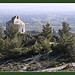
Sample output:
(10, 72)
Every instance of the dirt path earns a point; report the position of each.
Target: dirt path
(36, 58)
(53, 69)
(25, 68)
(57, 68)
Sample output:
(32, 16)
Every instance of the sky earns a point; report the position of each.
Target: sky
(35, 7)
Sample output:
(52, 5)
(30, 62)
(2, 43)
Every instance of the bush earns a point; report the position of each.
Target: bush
(53, 64)
(23, 60)
(63, 63)
(60, 64)
(34, 66)
(1, 68)
(43, 58)
(45, 64)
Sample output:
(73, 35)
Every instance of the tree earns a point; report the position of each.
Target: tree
(13, 42)
(41, 46)
(55, 36)
(47, 31)
(36, 48)
(27, 39)
(71, 48)
(66, 44)
(12, 48)
(65, 33)
(40, 39)
(46, 47)
(11, 31)
(1, 42)
(1, 33)
(64, 38)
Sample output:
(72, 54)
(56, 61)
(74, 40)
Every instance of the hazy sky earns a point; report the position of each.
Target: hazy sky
(36, 7)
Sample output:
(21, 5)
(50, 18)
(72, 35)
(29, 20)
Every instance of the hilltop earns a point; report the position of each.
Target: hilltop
(42, 51)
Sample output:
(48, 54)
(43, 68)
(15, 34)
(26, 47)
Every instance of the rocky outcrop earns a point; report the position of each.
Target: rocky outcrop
(17, 21)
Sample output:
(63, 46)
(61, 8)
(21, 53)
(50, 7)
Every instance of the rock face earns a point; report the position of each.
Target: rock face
(16, 20)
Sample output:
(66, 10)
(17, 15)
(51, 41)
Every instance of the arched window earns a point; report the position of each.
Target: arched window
(17, 17)
(22, 30)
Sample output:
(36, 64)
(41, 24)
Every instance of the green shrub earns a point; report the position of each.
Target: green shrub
(33, 66)
(5, 69)
(60, 64)
(45, 63)
(1, 68)
(23, 60)
(9, 64)
(63, 63)
(43, 58)
(53, 64)
(30, 67)
(22, 66)
(16, 63)
(18, 67)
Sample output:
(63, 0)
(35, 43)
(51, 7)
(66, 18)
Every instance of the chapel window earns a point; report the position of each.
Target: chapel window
(17, 17)
(22, 30)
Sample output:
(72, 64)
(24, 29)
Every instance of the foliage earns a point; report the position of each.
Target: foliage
(47, 31)
(71, 48)
(11, 31)
(1, 33)
(46, 47)
(34, 66)
(66, 45)
(27, 39)
(41, 46)
(65, 33)
(36, 48)
(15, 45)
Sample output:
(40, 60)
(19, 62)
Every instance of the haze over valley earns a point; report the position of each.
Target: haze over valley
(35, 15)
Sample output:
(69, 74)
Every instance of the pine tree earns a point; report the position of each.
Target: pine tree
(71, 48)
(65, 33)
(11, 31)
(66, 45)
(1, 33)
(46, 47)
(47, 31)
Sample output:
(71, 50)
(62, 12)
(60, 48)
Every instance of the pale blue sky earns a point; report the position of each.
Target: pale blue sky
(36, 7)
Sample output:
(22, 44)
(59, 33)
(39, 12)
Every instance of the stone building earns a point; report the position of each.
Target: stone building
(17, 21)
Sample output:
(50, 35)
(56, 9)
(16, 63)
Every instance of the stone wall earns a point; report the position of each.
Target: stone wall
(17, 21)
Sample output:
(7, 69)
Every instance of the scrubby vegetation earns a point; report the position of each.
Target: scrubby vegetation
(48, 48)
